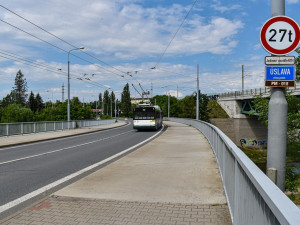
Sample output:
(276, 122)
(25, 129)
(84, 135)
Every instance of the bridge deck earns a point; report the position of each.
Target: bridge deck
(171, 180)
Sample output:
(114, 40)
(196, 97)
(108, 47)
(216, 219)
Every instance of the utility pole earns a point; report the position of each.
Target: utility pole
(63, 93)
(277, 121)
(242, 80)
(115, 108)
(197, 103)
(151, 89)
(102, 106)
(111, 100)
(169, 104)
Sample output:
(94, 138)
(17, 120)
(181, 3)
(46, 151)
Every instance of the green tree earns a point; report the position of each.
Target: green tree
(106, 102)
(39, 102)
(188, 107)
(100, 101)
(32, 102)
(126, 101)
(20, 88)
(262, 106)
(16, 113)
(298, 64)
(162, 102)
(203, 107)
(112, 99)
(9, 99)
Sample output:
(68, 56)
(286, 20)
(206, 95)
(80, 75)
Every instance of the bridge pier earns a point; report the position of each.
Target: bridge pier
(232, 107)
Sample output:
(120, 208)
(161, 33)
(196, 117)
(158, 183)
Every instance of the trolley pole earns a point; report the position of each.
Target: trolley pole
(277, 122)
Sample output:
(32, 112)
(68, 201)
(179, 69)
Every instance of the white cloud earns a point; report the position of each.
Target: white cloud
(125, 30)
(217, 6)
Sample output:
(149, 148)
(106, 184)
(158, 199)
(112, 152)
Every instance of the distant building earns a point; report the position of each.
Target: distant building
(139, 100)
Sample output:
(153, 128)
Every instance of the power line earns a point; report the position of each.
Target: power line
(66, 42)
(50, 69)
(162, 55)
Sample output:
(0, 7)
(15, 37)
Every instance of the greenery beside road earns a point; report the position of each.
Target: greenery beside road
(18, 107)
(184, 108)
(292, 182)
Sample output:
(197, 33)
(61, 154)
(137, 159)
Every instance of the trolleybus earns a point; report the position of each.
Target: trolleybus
(147, 116)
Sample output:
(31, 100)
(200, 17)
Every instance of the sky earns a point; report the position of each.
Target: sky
(149, 44)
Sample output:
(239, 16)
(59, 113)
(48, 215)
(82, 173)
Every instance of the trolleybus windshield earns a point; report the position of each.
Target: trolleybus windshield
(144, 113)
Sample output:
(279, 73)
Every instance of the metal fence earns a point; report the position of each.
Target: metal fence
(252, 197)
(254, 92)
(7, 129)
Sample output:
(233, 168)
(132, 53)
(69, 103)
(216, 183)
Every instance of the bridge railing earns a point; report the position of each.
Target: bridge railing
(253, 92)
(252, 197)
(7, 129)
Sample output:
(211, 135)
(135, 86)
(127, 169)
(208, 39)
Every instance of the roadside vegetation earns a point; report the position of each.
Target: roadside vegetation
(215, 110)
(259, 156)
(184, 108)
(18, 106)
(293, 148)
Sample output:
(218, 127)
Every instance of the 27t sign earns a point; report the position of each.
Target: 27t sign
(280, 35)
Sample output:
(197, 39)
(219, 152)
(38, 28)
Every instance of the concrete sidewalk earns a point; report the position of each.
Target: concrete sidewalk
(171, 180)
(34, 137)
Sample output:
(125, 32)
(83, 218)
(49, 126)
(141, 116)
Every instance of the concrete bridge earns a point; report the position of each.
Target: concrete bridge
(237, 104)
(252, 197)
(173, 179)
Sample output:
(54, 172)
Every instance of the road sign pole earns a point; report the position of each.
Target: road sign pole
(277, 120)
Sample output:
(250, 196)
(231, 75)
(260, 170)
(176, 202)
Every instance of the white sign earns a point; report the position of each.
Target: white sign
(280, 60)
(280, 35)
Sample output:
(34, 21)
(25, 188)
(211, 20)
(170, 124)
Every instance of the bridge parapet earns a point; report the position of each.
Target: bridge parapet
(252, 197)
(252, 93)
(234, 103)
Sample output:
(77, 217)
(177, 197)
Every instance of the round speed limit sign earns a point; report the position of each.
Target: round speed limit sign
(280, 35)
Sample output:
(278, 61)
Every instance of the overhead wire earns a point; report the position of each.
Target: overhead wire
(19, 59)
(162, 55)
(66, 42)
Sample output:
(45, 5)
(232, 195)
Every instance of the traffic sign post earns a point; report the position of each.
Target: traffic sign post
(280, 35)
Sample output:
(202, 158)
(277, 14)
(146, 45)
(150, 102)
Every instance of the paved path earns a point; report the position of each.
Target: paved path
(171, 180)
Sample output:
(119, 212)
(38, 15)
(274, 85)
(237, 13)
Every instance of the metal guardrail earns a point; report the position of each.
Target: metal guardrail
(253, 92)
(7, 129)
(252, 197)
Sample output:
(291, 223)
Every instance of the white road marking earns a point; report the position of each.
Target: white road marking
(62, 149)
(58, 182)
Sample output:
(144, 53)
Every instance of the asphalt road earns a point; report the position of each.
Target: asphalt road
(26, 168)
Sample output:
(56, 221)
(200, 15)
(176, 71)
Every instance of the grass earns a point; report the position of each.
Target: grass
(295, 199)
(259, 157)
(293, 152)
(215, 110)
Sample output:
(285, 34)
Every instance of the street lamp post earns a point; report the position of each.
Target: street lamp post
(69, 117)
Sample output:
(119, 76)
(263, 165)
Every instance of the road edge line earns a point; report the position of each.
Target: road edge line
(35, 193)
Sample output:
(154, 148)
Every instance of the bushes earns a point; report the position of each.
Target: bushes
(16, 113)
